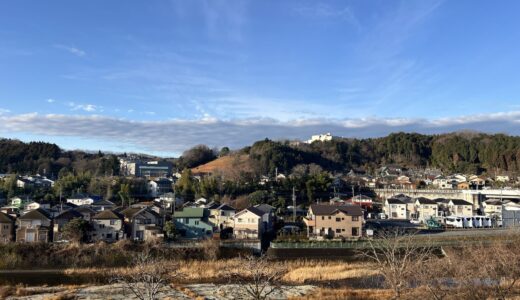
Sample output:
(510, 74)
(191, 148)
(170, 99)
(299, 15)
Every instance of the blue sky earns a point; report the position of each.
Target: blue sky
(162, 76)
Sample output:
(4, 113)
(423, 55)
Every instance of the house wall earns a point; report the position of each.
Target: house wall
(247, 226)
(492, 210)
(426, 211)
(107, 230)
(337, 225)
(462, 210)
(193, 227)
(221, 217)
(6, 232)
(395, 211)
(34, 230)
(142, 223)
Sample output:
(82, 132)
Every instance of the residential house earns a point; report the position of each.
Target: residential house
(463, 185)
(24, 183)
(12, 211)
(193, 222)
(6, 228)
(269, 217)
(442, 182)
(221, 215)
(20, 201)
(443, 205)
(403, 182)
(249, 224)
(425, 209)
(83, 199)
(142, 223)
(461, 208)
(59, 208)
(410, 205)
(395, 209)
(334, 221)
(477, 182)
(35, 205)
(492, 207)
(107, 226)
(159, 187)
(34, 226)
(60, 221)
(86, 212)
(101, 205)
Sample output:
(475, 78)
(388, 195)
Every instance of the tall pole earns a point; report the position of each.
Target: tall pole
(294, 204)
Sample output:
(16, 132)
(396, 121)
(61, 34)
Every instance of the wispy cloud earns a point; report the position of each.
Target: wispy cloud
(50, 100)
(326, 11)
(178, 135)
(4, 111)
(73, 50)
(221, 19)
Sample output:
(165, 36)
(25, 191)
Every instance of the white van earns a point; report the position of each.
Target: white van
(477, 222)
(467, 222)
(456, 222)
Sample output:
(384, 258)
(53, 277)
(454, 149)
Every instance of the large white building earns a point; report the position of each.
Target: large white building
(321, 138)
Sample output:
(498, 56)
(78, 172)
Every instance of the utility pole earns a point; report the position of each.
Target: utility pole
(294, 204)
(61, 203)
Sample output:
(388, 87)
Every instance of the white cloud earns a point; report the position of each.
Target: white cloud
(178, 135)
(50, 100)
(72, 50)
(84, 107)
(4, 111)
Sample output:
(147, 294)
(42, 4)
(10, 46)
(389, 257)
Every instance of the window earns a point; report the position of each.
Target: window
(323, 217)
(112, 222)
(330, 217)
(239, 220)
(338, 219)
(196, 222)
(343, 229)
(338, 230)
(109, 235)
(355, 231)
(355, 218)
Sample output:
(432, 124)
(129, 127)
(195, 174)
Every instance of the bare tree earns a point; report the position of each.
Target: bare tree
(491, 269)
(258, 277)
(147, 277)
(398, 256)
(438, 275)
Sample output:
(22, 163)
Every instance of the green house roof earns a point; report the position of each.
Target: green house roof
(191, 212)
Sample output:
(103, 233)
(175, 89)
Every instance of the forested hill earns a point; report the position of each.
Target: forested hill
(48, 159)
(455, 152)
(465, 152)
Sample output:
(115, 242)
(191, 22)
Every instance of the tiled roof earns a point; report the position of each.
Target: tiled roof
(107, 215)
(351, 210)
(5, 218)
(36, 214)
